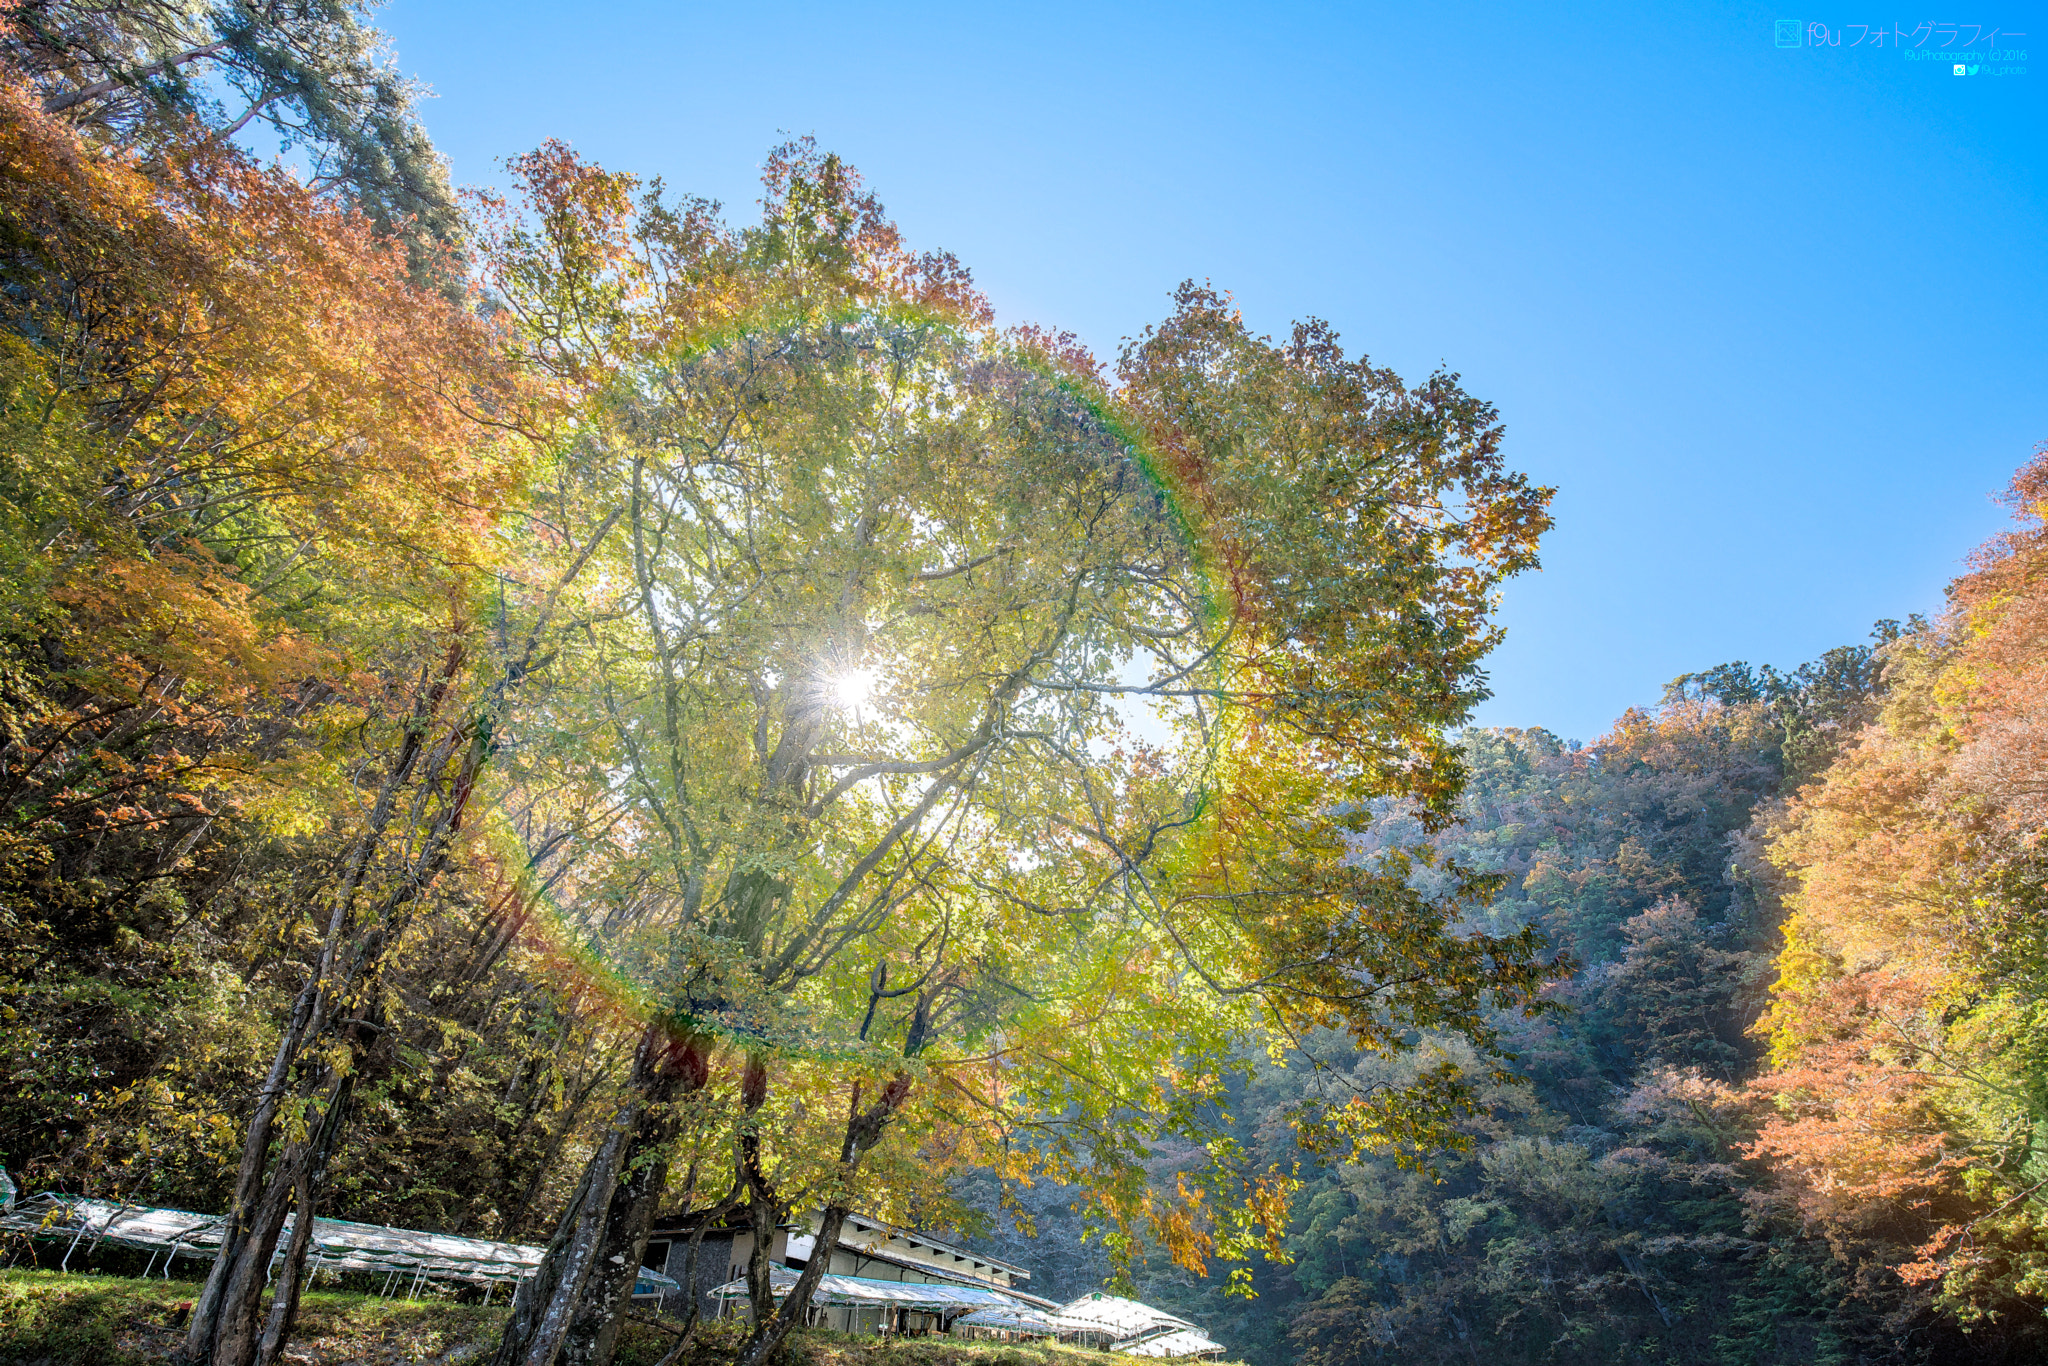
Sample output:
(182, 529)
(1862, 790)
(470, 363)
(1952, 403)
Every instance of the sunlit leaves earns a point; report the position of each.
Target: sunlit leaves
(1907, 1023)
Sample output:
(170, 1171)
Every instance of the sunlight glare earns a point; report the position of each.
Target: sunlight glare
(851, 689)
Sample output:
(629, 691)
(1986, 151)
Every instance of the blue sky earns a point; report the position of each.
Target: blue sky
(1772, 319)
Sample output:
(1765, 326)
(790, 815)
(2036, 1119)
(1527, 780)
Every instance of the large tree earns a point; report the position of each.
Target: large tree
(950, 683)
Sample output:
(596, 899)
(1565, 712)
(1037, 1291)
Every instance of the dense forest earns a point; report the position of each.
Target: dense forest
(1787, 1115)
(521, 714)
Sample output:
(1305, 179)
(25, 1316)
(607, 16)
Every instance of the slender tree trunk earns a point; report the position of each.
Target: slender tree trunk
(764, 1208)
(227, 1335)
(864, 1129)
(294, 1186)
(240, 1224)
(232, 1340)
(690, 1260)
(223, 1328)
(221, 1331)
(769, 1336)
(312, 1177)
(571, 1309)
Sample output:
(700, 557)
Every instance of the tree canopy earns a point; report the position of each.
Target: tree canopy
(957, 697)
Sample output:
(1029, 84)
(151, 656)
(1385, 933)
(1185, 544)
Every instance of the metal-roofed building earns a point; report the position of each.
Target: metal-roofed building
(885, 1279)
(1180, 1342)
(1135, 1328)
(869, 1251)
(882, 1279)
(408, 1259)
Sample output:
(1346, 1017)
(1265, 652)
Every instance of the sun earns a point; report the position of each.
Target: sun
(851, 688)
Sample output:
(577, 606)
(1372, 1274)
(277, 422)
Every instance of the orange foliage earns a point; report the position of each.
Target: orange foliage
(1855, 1114)
(1907, 1026)
(241, 337)
(248, 461)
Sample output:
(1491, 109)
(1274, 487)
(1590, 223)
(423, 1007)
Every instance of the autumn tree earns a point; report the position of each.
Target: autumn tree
(250, 472)
(1906, 1086)
(894, 588)
(314, 74)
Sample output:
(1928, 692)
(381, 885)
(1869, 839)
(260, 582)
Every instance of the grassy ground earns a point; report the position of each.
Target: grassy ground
(48, 1318)
(837, 1349)
(71, 1320)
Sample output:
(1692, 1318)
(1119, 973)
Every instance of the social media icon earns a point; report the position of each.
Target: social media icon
(1962, 70)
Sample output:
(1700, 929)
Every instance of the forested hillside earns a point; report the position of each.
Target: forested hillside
(1602, 1210)
(1680, 1177)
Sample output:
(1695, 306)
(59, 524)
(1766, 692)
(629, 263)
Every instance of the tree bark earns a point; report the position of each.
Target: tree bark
(312, 1177)
(57, 104)
(573, 1306)
(602, 1311)
(537, 1291)
(864, 1129)
(227, 1335)
(765, 1208)
(240, 1225)
(577, 1255)
(223, 1328)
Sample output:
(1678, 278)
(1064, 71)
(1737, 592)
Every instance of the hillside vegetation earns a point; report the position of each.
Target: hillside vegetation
(1791, 1113)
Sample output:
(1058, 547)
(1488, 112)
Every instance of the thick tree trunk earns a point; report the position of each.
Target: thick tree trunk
(765, 1209)
(595, 1332)
(537, 1291)
(540, 1321)
(768, 1336)
(765, 1214)
(571, 1310)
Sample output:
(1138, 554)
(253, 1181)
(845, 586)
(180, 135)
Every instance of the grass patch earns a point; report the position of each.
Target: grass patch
(51, 1318)
(86, 1320)
(839, 1349)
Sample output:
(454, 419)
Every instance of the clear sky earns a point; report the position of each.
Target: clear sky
(1770, 318)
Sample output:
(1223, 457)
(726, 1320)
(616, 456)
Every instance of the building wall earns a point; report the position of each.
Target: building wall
(714, 1258)
(853, 1258)
(722, 1258)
